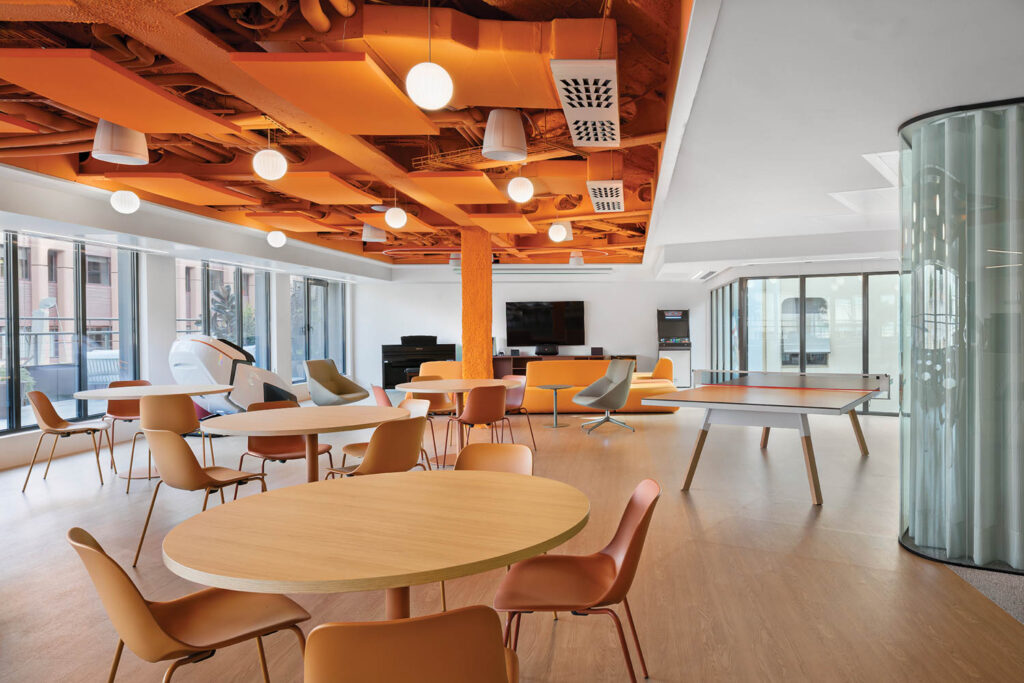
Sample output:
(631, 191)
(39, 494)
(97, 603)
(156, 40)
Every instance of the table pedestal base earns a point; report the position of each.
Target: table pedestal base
(396, 603)
(312, 458)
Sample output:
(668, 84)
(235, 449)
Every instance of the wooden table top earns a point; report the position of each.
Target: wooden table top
(301, 421)
(453, 386)
(128, 393)
(764, 398)
(374, 532)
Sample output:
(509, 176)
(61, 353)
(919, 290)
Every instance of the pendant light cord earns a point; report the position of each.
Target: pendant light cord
(428, 31)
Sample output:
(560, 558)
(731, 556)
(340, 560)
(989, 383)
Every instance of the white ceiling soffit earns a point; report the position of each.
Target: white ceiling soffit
(607, 196)
(589, 92)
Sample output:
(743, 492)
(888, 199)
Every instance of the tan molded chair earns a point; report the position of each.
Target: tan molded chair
(484, 406)
(461, 646)
(608, 393)
(50, 423)
(514, 406)
(179, 469)
(496, 457)
(416, 407)
(186, 630)
(584, 585)
(328, 387)
(395, 446)
(174, 413)
(279, 448)
(125, 410)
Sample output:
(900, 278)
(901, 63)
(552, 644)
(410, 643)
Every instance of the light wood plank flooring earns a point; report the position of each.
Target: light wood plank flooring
(742, 578)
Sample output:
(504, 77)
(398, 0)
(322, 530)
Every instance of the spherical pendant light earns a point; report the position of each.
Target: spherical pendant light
(119, 145)
(395, 217)
(125, 201)
(504, 137)
(520, 189)
(560, 231)
(276, 239)
(269, 164)
(429, 86)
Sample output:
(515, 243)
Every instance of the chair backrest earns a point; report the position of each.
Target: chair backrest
(46, 414)
(266, 445)
(663, 369)
(128, 611)
(496, 457)
(394, 447)
(420, 649)
(628, 543)
(326, 384)
(417, 407)
(613, 388)
(175, 460)
(446, 369)
(128, 409)
(175, 413)
(484, 405)
(381, 396)
(514, 395)
(437, 401)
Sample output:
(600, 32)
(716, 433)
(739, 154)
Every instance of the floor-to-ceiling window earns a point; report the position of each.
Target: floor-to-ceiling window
(317, 322)
(812, 323)
(75, 309)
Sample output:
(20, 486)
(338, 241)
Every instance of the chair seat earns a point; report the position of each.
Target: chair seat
(226, 475)
(356, 450)
(79, 427)
(586, 400)
(555, 582)
(215, 618)
(322, 449)
(124, 418)
(343, 470)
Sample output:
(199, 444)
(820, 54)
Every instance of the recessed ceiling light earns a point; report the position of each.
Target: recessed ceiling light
(125, 201)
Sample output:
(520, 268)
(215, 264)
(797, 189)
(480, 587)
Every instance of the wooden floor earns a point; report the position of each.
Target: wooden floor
(742, 578)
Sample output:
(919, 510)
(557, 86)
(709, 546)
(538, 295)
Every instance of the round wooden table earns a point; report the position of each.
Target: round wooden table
(459, 387)
(307, 422)
(379, 531)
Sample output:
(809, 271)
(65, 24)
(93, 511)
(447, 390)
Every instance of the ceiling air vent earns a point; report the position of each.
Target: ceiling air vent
(708, 275)
(589, 92)
(606, 195)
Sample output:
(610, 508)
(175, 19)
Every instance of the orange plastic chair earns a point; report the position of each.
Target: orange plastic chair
(584, 585)
(440, 404)
(124, 410)
(51, 423)
(484, 406)
(174, 413)
(280, 448)
(186, 630)
(417, 407)
(179, 469)
(514, 405)
(496, 457)
(394, 447)
(418, 649)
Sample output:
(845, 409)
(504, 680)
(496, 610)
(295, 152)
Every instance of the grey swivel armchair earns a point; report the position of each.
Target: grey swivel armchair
(608, 393)
(328, 387)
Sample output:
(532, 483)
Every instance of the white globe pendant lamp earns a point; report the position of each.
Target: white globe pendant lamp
(396, 217)
(520, 189)
(125, 201)
(504, 137)
(560, 231)
(119, 145)
(269, 164)
(428, 85)
(276, 239)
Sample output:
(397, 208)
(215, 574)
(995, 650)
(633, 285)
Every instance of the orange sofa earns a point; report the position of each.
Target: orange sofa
(579, 374)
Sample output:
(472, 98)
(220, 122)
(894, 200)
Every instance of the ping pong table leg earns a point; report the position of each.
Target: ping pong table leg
(812, 467)
(697, 448)
(764, 437)
(858, 433)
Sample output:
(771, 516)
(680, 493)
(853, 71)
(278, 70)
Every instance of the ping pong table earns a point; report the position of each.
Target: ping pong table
(775, 399)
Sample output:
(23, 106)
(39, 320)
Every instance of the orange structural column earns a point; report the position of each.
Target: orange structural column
(476, 304)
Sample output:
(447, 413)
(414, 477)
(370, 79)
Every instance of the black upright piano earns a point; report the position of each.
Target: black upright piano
(400, 361)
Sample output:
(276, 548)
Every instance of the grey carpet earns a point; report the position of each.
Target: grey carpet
(1006, 590)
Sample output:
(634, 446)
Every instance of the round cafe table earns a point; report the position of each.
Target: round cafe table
(308, 422)
(555, 388)
(375, 532)
(459, 387)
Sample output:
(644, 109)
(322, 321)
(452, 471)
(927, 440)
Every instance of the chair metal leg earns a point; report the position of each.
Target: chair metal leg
(110, 443)
(32, 462)
(636, 638)
(530, 425)
(131, 462)
(263, 659)
(515, 638)
(206, 499)
(197, 657)
(508, 627)
(433, 438)
(591, 425)
(622, 636)
(221, 491)
(117, 661)
(96, 450)
(146, 525)
(213, 461)
(50, 459)
(301, 636)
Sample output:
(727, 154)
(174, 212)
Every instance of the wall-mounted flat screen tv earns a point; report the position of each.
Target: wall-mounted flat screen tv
(529, 323)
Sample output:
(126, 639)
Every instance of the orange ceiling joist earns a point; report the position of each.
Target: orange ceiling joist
(345, 90)
(182, 188)
(504, 223)
(292, 222)
(16, 124)
(321, 187)
(89, 82)
(412, 224)
(460, 187)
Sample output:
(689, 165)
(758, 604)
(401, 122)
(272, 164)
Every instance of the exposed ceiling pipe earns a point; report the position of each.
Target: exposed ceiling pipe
(143, 55)
(314, 15)
(37, 115)
(346, 8)
(46, 151)
(109, 36)
(41, 139)
(190, 80)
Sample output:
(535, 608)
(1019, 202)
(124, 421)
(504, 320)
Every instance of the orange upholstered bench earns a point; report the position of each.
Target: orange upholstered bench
(578, 374)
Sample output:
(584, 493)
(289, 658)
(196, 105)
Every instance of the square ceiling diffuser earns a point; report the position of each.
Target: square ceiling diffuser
(607, 196)
(589, 92)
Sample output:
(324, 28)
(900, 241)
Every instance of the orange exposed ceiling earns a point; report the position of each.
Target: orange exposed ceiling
(212, 83)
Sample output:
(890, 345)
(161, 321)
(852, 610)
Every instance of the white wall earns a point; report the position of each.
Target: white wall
(620, 316)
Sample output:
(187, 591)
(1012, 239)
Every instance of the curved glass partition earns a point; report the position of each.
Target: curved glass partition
(962, 324)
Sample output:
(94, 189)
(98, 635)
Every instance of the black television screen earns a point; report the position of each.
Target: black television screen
(528, 323)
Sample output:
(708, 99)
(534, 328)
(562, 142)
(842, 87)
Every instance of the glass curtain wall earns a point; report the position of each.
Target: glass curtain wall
(962, 326)
(318, 323)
